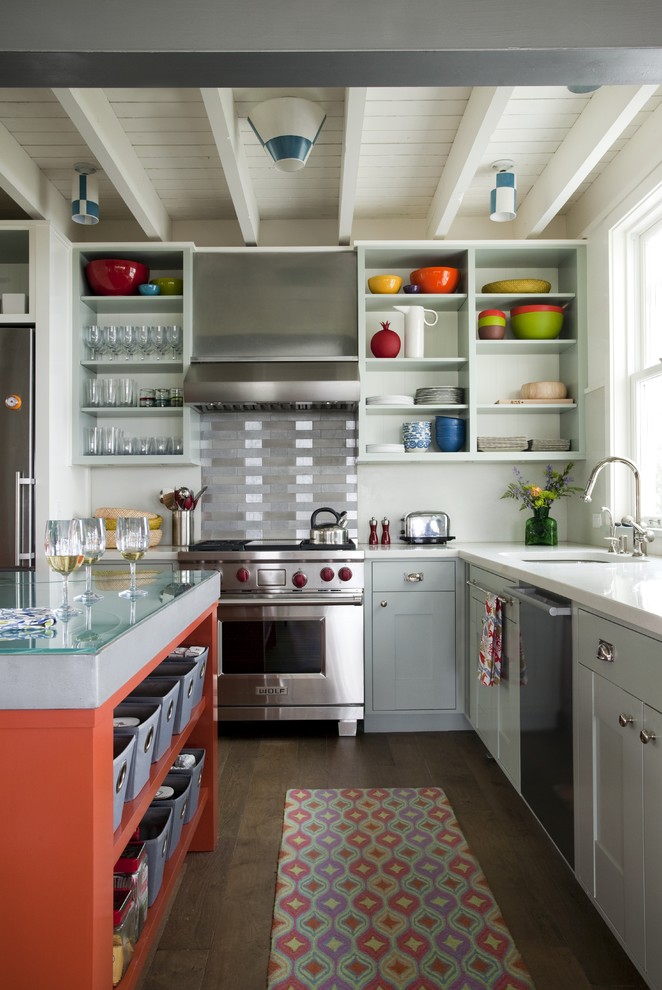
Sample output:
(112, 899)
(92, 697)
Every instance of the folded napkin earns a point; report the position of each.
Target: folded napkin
(491, 646)
(26, 623)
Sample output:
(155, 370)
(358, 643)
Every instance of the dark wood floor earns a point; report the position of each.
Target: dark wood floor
(218, 933)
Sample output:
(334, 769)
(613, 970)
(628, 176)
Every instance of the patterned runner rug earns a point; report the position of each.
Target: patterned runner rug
(377, 890)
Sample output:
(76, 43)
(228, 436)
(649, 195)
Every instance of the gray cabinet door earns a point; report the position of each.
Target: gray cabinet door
(413, 651)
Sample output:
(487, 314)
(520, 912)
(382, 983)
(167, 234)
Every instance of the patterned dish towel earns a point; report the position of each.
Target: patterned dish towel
(26, 623)
(491, 650)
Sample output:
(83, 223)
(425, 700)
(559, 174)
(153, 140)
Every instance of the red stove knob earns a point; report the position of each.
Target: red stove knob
(243, 575)
(299, 579)
(345, 574)
(327, 574)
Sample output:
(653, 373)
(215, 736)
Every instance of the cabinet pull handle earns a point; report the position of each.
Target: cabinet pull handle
(605, 652)
(414, 577)
(646, 736)
(625, 720)
(383, 604)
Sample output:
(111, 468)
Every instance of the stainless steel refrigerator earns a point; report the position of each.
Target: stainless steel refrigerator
(17, 550)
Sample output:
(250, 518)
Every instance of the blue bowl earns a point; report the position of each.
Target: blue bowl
(149, 290)
(449, 422)
(450, 445)
(411, 288)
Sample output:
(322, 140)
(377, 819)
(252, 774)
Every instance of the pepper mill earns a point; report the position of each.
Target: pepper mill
(386, 536)
(373, 539)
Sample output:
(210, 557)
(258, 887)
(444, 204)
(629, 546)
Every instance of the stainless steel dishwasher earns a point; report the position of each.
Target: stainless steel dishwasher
(546, 713)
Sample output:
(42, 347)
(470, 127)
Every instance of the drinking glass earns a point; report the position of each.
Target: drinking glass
(159, 340)
(174, 339)
(93, 532)
(94, 341)
(143, 341)
(128, 344)
(132, 536)
(63, 547)
(112, 341)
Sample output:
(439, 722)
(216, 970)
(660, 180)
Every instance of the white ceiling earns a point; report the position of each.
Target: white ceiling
(384, 154)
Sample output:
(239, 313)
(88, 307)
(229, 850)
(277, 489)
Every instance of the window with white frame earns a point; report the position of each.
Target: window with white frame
(637, 351)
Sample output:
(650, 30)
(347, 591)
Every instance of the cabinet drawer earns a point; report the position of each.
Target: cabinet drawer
(414, 575)
(636, 659)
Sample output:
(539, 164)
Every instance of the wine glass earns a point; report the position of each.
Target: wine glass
(159, 340)
(93, 533)
(174, 339)
(132, 536)
(112, 341)
(143, 341)
(64, 552)
(94, 340)
(128, 342)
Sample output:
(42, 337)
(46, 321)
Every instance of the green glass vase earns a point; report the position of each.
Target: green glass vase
(541, 529)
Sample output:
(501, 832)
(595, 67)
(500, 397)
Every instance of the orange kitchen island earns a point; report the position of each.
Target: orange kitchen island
(57, 696)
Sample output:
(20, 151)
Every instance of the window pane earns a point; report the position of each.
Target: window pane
(649, 454)
(651, 245)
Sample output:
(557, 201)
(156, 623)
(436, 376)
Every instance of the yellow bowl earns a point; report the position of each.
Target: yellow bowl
(169, 286)
(385, 283)
(110, 516)
(518, 285)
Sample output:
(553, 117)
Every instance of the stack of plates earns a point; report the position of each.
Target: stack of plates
(436, 394)
(550, 445)
(389, 400)
(502, 443)
(385, 448)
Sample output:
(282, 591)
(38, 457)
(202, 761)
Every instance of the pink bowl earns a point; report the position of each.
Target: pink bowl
(441, 279)
(115, 276)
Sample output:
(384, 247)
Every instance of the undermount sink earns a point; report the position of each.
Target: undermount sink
(569, 556)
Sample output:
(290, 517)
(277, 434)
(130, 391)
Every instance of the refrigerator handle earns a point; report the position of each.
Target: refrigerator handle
(19, 536)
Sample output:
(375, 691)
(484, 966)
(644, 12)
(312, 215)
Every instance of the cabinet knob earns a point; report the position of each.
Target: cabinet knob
(383, 604)
(624, 720)
(414, 577)
(646, 736)
(605, 651)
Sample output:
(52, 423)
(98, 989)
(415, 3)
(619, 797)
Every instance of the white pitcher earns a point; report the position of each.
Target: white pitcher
(415, 323)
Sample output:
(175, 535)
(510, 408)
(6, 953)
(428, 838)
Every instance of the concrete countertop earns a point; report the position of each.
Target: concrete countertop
(623, 589)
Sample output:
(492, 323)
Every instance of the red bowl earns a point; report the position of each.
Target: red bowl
(115, 276)
(440, 279)
(537, 309)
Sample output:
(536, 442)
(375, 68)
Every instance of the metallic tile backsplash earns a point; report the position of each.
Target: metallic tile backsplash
(268, 471)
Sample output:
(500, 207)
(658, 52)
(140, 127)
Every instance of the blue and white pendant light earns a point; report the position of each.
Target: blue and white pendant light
(84, 195)
(287, 128)
(503, 198)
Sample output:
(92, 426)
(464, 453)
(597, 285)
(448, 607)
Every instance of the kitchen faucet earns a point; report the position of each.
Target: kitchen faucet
(640, 535)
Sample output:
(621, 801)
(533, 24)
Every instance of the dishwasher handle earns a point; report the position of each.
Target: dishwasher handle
(533, 596)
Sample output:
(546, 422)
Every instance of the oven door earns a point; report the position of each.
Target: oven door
(296, 659)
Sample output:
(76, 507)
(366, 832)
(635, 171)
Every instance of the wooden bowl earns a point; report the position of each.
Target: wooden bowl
(543, 390)
(491, 331)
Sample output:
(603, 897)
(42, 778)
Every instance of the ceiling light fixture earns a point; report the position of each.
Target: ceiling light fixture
(582, 89)
(503, 198)
(84, 194)
(287, 129)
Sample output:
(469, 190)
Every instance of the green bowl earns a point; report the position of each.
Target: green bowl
(169, 286)
(536, 326)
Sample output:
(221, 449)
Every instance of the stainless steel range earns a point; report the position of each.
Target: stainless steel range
(290, 629)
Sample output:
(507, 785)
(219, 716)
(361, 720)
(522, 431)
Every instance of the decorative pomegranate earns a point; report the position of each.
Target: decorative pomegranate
(385, 343)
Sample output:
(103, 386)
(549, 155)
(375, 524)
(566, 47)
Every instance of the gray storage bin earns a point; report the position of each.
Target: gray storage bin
(145, 732)
(199, 654)
(181, 786)
(154, 830)
(123, 750)
(184, 705)
(164, 692)
(195, 773)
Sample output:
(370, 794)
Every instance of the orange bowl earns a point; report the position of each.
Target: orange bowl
(439, 280)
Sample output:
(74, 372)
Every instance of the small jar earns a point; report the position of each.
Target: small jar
(147, 398)
(131, 872)
(162, 397)
(176, 396)
(124, 931)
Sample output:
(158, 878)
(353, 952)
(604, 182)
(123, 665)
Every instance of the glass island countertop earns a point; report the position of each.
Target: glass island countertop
(81, 662)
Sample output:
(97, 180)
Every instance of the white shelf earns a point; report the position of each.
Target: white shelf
(532, 347)
(135, 366)
(398, 364)
(543, 407)
(134, 304)
(387, 410)
(450, 302)
(122, 412)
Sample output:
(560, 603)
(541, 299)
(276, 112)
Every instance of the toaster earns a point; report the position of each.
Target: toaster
(426, 527)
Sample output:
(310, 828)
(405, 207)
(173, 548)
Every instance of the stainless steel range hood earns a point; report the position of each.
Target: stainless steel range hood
(274, 329)
(245, 385)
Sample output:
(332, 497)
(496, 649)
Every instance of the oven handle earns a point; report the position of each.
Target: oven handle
(286, 599)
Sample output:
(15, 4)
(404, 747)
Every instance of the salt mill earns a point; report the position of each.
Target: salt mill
(373, 539)
(386, 536)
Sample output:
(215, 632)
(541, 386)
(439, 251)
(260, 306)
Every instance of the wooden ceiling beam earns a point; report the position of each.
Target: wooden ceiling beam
(610, 110)
(219, 104)
(96, 121)
(22, 180)
(483, 112)
(355, 101)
